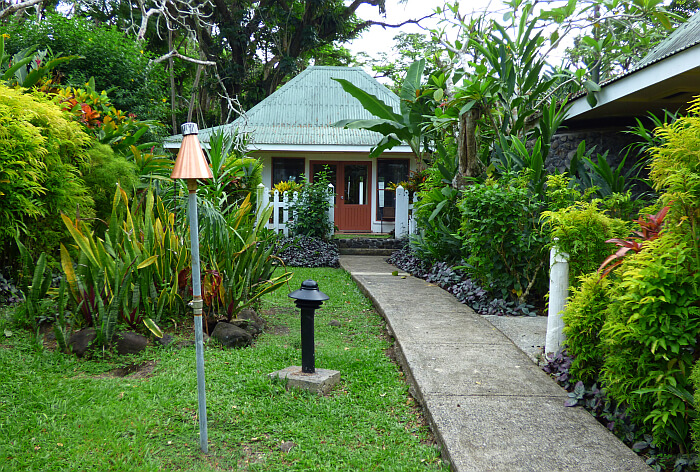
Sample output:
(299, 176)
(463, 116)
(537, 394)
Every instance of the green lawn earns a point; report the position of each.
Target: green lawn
(60, 413)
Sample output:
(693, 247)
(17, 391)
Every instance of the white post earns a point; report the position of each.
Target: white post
(331, 208)
(401, 217)
(263, 201)
(558, 292)
(285, 212)
(276, 212)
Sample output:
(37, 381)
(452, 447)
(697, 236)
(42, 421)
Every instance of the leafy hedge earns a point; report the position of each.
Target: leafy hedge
(642, 324)
(41, 151)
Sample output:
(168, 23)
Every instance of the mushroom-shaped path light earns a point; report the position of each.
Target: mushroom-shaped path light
(192, 165)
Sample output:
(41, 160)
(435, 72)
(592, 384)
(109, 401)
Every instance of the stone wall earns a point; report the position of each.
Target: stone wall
(564, 147)
(371, 243)
(370, 246)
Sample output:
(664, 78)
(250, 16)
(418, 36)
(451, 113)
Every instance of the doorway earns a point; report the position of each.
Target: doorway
(352, 182)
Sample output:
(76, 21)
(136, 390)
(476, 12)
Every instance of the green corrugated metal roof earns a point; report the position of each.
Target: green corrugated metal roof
(303, 110)
(685, 36)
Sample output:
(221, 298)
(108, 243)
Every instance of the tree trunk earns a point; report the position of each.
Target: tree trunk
(469, 163)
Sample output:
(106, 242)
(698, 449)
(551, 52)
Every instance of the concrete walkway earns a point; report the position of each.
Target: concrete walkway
(489, 405)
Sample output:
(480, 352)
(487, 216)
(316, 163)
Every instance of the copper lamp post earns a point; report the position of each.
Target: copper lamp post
(192, 165)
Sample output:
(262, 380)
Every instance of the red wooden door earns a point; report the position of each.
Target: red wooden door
(353, 205)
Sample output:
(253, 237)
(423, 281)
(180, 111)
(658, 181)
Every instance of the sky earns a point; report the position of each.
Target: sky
(378, 39)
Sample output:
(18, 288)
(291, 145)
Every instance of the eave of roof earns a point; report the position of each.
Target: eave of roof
(653, 83)
(674, 56)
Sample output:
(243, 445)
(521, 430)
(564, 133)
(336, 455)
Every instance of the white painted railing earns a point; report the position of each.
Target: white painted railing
(404, 222)
(281, 203)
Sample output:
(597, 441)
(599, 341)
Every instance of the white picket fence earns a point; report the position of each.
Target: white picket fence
(404, 222)
(281, 203)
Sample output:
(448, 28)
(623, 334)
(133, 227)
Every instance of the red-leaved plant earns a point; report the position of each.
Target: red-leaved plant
(649, 230)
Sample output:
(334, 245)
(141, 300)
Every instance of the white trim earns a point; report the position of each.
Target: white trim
(656, 73)
(322, 148)
(306, 148)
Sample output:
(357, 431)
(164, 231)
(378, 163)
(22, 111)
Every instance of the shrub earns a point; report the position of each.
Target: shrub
(438, 220)
(307, 251)
(584, 317)
(581, 231)
(240, 269)
(102, 173)
(310, 209)
(503, 242)
(113, 59)
(40, 152)
(650, 335)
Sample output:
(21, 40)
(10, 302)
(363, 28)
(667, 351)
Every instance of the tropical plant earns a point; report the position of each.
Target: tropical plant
(242, 269)
(310, 209)
(646, 138)
(153, 169)
(27, 67)
(102, 120)
(287, 186)
(650, 229)
(439, 220)
(34, 284)
(133, 274)
(582, 230)
(406, 127)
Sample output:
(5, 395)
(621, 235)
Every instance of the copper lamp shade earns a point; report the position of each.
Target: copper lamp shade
(190, 162)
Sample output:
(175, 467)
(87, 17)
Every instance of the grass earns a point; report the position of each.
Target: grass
(61, 413)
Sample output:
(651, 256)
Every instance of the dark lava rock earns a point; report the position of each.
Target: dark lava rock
(250, 326)
(210, 326)
(130, 343)
(230, 335)
(250, 314)
(80, 341)
(165, 341)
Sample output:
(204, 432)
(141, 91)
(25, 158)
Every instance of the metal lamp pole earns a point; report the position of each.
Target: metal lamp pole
(192, 165)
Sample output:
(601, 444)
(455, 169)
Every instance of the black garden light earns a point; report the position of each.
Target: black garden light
(308, 299)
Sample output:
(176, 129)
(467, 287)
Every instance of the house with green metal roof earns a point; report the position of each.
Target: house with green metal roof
(292, 132)
(667, 78)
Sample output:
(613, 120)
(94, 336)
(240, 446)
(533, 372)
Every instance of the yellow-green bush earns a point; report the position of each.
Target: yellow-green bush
(650, 335)
(651, 318)
(583, 319)
(582, 230)
(40, 154)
